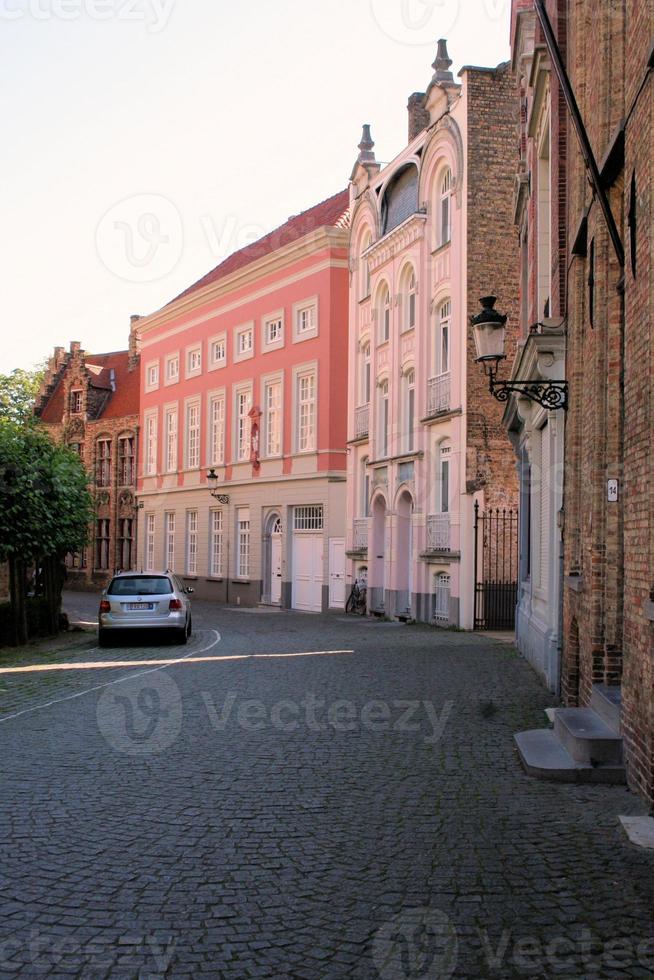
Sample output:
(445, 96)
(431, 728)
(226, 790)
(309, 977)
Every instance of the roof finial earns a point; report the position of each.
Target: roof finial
(366, 151)
(442, 63)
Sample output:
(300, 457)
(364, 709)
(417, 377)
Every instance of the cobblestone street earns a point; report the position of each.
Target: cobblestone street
(256, 811)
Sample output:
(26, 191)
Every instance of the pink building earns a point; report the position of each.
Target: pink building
(430, 235)
(245, 374)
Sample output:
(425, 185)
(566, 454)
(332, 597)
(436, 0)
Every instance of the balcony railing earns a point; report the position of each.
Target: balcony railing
(438, 394)
(438, 532)
(361, 422)
(360, 534)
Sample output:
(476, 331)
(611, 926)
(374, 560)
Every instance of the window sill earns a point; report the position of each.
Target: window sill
(441, 248)
(299, 338)
(217, 367)
(214, 579)
(192, 374)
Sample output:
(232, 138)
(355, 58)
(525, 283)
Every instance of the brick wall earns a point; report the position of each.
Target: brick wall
(607, 636)
(493, 269)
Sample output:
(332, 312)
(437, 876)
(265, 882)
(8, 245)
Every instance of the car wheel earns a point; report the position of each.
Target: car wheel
(182, 636)
(189, 628)
(103, 639)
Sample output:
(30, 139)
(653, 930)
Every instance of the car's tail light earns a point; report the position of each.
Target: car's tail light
(175, 604)
(105, 606)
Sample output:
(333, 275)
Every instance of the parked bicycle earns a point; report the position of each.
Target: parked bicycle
(358, 599)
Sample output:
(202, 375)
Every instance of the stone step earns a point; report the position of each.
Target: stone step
(607, 702)
(543, 756)
(587, 737)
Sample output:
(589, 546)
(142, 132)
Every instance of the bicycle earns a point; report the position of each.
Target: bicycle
(356, 602)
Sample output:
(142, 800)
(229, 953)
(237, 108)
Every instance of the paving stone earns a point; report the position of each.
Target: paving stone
(160, 841)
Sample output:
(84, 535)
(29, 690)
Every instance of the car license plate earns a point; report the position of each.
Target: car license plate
(138, 606)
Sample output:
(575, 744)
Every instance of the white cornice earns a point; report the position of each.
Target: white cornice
(411, 230)
(315, 241)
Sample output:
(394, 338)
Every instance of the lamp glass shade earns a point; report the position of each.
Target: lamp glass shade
(489, 340)
(212, 479)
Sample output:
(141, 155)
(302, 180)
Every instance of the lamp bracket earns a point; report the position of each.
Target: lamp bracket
(549, 394)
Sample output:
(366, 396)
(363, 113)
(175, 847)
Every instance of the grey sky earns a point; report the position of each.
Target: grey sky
(144, 140)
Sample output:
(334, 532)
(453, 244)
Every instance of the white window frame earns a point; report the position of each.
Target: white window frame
(445, 188)
(383, 420)
(216, 529)
(169, 540)
(170, 377)
(366, 374)
(194, 360)
(171, 437)
(244, 330)
(444, 477)
(268, 343)
(152, 375)
(409, 299)
(216, 427)
(242, 424)
(191, 543)
(409, 408)
(268, 382)
(301, 373)
(151, 456)
(310, 306)
(150, 534)
(215, 363)
(192, 434)
(243, 538)
(384, 314)
(443, 323)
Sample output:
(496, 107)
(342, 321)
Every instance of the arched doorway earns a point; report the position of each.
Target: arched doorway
(404, 563)
(377, 577)
(272, 557)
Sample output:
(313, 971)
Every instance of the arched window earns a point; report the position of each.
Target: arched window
(442, 338)
(364, 508)
(364, 267)
(365, 375)
(408, 292)
(103, 462)
(400, 198)
(409, 409)
(384, 314)
(445, 210)
(382, 431)
(443, 477)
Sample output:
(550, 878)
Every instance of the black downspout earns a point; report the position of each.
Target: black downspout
(586, 148)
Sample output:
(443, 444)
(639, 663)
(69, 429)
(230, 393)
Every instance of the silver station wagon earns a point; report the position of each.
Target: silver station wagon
(145, 601)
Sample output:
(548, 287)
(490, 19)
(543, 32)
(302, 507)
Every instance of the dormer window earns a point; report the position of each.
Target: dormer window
(76, 402)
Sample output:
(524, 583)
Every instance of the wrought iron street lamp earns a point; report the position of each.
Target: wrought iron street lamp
(489, 330)
(212, 480)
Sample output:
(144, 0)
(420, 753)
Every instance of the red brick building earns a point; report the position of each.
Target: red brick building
(91, 402)
(600, 278)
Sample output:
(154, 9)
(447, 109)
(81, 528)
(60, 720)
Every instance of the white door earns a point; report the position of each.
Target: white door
(337, 573)
(276, 568)
(307, 572)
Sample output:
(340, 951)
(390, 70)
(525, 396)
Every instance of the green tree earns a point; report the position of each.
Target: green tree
(17, 393)
(45, 510)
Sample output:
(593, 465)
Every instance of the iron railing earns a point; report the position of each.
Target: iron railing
(496, 568)
(360, 534)
(438, 394)
(361, 421)
(438, 532)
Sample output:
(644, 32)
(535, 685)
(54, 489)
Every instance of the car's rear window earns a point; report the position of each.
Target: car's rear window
(140, 585)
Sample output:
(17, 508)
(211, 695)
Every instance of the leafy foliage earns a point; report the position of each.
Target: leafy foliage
(45, 504)
(17, 393)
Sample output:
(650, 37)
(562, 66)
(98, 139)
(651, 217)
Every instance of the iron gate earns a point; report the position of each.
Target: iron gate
(496, 568)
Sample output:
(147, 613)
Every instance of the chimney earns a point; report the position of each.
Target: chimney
(134, 355)
(418, 114)
(75, 346)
